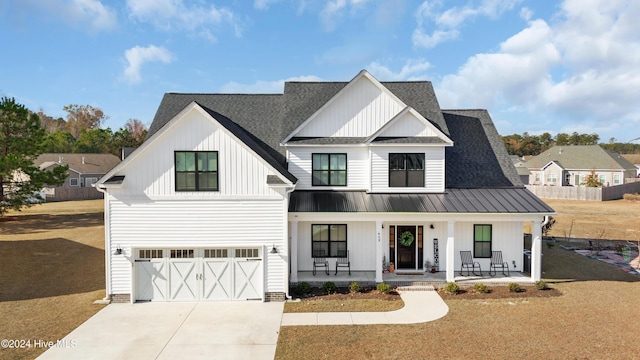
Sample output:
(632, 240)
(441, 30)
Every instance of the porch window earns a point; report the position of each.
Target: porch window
(329, 170)
(330, 238)
(196, 170)
(481, 241)
(406, 170)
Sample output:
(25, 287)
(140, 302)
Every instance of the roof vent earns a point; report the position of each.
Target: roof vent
(560, 152)
(83, 160)
(59, 159)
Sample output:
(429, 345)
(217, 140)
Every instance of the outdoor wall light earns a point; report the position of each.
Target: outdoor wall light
(431, 226)
(274, 250)
(118, 250)
(514, 263)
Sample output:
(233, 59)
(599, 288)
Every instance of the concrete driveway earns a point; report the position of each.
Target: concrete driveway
(206, 330)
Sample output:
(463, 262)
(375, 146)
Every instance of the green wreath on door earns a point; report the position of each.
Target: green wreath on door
(406, 238)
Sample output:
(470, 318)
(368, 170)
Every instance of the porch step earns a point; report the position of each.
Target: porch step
(416, 288)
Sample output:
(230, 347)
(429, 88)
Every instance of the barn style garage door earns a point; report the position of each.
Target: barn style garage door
(198, 274)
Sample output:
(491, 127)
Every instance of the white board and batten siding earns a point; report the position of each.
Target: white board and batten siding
(147, 212)
(152, 173)
(506, 237)
(434, 169)
(359, 112)
(300, 165)
(361, 243)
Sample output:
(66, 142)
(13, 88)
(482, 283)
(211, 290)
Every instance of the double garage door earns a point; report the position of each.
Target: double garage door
(198, 274)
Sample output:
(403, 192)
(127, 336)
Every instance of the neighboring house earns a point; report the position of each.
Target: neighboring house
(84, 171)
(521, 168)
(570, 165)
(233, 196)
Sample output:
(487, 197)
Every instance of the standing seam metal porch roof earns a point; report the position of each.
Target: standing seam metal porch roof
(487, 201)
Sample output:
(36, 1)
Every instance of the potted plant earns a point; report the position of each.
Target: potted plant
(391, 267)
(433, 269)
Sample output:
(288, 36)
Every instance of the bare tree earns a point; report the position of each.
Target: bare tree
(83, 117)
(137, 130)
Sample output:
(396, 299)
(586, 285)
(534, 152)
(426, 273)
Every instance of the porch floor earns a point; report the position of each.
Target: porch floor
(368, 278)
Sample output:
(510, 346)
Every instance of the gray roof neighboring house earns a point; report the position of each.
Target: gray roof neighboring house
(79, 163)
(580, 157)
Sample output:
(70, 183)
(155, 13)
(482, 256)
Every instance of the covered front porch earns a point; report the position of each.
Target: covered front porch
(437, 279)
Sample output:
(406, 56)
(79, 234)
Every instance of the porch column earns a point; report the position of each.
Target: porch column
(536, 250)
(293, 251)
(451, 271)
(379, 252)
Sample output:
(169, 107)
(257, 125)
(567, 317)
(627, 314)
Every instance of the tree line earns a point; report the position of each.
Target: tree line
(525, 144)
(81, 132)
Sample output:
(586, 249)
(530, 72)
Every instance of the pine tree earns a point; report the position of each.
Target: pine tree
(21, 138)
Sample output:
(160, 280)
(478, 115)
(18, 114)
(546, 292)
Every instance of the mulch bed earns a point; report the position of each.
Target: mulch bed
(344, 294)
(500, 292)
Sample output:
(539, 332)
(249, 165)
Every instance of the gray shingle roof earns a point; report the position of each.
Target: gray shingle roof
(81, 163)
(581, 157)
(507, 200)
(477, 159)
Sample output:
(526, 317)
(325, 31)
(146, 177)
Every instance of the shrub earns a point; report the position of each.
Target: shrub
(383, 288)
(354, 287)
(481, 288)
(303, 288)
(452, 288)
(631, 197)
(541, 285)
(329, 287)
(514, 287)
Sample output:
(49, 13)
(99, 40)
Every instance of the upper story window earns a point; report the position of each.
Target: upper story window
(196, 170)
(329, 170)
(406, 170)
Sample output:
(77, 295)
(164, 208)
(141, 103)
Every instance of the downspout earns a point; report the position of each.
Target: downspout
(288, 190)
(107, 248)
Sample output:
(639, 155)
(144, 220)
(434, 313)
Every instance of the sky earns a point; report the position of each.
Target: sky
(536, 66)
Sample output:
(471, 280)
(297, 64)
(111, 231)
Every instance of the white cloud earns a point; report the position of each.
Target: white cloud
(264, 4)
(137, 56)
(582, 67)
(176, 15)
(444, 25)
(92, 13)
(335, 9)
(412, 70)
(263, 87)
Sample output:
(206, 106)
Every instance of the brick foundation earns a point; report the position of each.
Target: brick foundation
(120, 298)
(274, 296)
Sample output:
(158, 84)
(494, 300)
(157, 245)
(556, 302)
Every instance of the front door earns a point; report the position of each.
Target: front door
(406, 246)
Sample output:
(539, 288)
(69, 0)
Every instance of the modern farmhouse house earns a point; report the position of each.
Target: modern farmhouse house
(235, 196)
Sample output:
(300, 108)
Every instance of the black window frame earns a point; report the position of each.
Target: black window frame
(333, 245)
(407, 178)
(196, 172)
(480, 249)
(314, 182)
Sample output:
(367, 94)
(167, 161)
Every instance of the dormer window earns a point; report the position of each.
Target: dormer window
(329, 169)
(406, 170)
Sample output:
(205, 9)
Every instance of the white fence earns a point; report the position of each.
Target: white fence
(583, 192)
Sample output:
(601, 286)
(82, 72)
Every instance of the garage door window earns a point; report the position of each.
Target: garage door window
(181, 254)
(215, 253)
(247, 253)
(151, 254)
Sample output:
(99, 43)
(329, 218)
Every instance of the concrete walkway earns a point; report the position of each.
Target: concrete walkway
(419, 307)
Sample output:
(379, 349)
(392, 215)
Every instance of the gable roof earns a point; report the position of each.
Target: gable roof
(80, 163)
(477, 160)
(581, 157)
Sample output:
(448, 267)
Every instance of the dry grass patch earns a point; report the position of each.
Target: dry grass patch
(618, 219)
(52, 270)
(345, 301)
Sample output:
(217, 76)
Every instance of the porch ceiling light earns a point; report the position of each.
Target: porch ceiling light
(274, 250)
(431, 226)
(118, 250)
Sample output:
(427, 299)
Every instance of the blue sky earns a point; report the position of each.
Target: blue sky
(556, 66)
